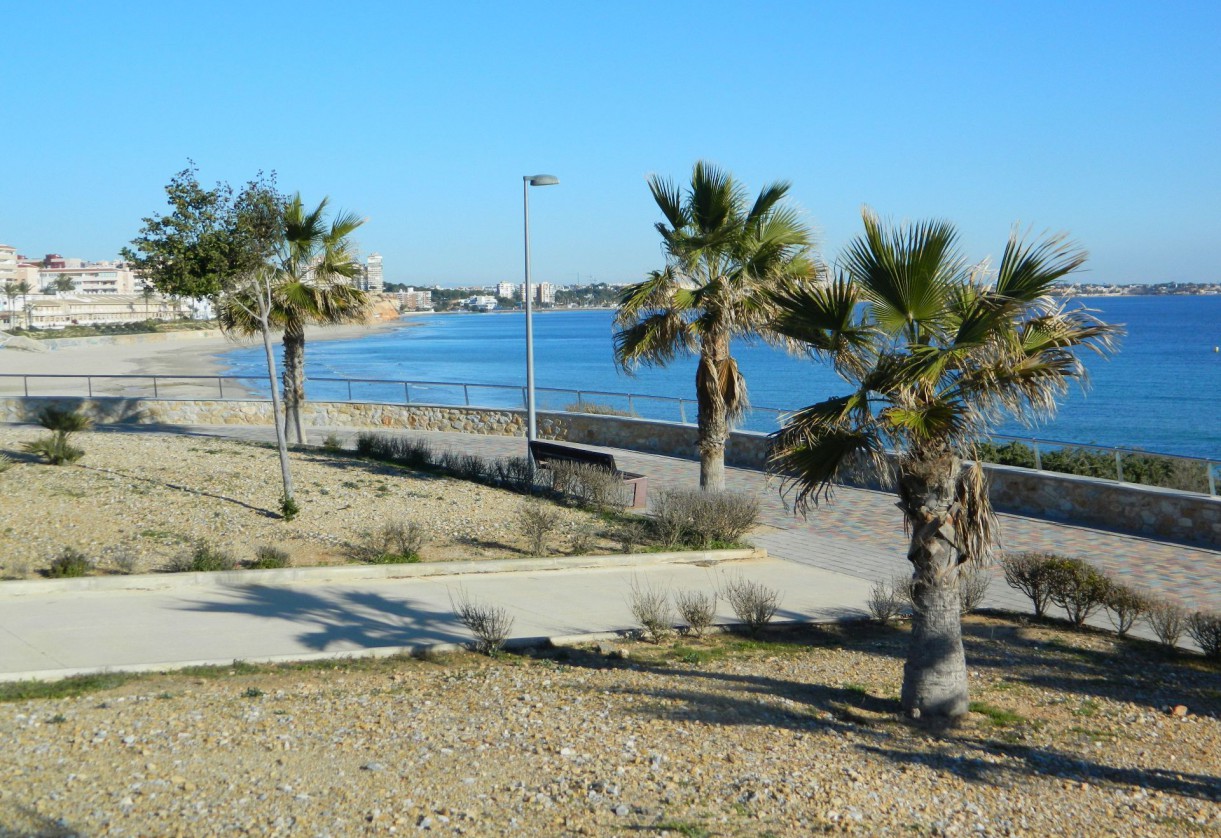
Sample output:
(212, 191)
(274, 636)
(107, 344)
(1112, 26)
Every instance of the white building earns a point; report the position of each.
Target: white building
(544, 292)
(506, 290)
(92, 278)
(413, 300)
(373, 274)
(8, 264)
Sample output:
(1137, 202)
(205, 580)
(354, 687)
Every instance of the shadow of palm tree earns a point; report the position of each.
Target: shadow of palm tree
(347, 620)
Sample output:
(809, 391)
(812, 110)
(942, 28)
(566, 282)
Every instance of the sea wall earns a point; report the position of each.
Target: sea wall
(1160, 513)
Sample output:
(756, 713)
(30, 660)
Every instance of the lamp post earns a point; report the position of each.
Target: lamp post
(527, 182)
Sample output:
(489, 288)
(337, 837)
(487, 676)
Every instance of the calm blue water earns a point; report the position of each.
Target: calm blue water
(1161, 392)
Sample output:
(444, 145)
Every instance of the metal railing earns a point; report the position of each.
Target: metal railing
(1130, 465)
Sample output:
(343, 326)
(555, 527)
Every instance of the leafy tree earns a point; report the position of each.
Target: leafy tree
(217, 244)
(314, 264)
(723, 253)
(935, 353)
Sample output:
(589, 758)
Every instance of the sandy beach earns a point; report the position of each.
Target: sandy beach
(170, 353)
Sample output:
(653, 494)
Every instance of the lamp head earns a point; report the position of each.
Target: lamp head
(541, 180)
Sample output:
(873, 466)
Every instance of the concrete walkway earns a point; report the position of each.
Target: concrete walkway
(824, 565)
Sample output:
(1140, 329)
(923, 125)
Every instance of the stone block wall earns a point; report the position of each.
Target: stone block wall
(1161, 513)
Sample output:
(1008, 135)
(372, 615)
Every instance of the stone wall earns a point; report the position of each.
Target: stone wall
(1161, 513)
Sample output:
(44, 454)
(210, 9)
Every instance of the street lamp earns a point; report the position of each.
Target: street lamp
(527, 182)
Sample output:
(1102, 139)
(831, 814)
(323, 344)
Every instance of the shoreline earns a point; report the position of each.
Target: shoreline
(200, 356)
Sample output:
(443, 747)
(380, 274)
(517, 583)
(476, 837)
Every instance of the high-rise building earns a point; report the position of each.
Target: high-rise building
(543, 292)
(505, 290)
(8, 264)
(373, 274)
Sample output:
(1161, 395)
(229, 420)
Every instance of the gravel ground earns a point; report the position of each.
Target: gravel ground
(134, 502)
(794, 736)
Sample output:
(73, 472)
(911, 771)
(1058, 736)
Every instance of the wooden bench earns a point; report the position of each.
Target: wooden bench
(545, 453)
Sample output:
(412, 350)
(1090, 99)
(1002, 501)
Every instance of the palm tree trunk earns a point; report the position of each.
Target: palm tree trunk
(935, 674)
(294, 379)
(713, 419)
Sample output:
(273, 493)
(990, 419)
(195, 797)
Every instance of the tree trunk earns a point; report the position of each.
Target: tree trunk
(281, 443)
(935, 675)
(713, 422)
(294, 379)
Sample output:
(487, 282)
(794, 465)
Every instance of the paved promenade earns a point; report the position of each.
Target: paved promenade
(824, 564)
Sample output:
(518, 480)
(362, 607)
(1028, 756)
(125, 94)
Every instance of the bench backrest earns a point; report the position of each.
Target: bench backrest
(544, 452)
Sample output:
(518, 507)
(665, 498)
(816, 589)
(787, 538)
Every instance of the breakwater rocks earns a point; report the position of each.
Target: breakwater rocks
(1159, 513)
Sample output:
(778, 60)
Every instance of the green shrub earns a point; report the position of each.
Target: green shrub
(393, 543)
(289, 508)
(267, 557)
(1146, 469)
(62, 420)
(69, 563)
(55, 449)
(332, 444)
(1076, 586)
(1030, 573)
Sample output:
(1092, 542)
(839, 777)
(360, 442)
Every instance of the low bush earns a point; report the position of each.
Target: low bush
(973, 583)
(1146, 469)
(513, 473)
(267, 557)
(1124, 606)
(582, 542)
(1168, 620)
(393, 543)
(588, 485)
(1076, 586)
(753, 602)
(537, 521)
(203, 558)
(289, 508)
(332, 444)
(650, 607)
(69, 563)
(697, 608)
(1030, 573)
(1204, 627)
(630, 535)
(63, 420)
(702, 519)
(6, 462)
(889, 599)
(490, 624)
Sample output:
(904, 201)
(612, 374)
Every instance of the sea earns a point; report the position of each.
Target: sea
(1161, 392)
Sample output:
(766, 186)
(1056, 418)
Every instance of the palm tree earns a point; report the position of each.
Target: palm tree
(10, 292)
(23, 288)
(722, 254)
(935, 353)
(63, 284)
(314, 265)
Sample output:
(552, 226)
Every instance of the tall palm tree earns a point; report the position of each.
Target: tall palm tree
(314, 265)
(723, 253)
(10, 293)
(24, 288)
(63, 284)
(935, 353)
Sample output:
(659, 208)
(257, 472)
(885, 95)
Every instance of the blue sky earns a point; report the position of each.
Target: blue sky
(1096, 118)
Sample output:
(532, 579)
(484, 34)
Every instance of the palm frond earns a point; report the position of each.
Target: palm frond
(1028, 269)
(810, 459)
(654, 340)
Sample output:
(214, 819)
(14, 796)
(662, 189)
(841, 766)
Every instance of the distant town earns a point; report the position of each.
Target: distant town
(54, 291)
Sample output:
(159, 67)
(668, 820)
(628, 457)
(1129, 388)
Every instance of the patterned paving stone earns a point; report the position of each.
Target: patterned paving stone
(860, 532)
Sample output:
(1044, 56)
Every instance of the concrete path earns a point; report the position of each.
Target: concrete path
(824, 565)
